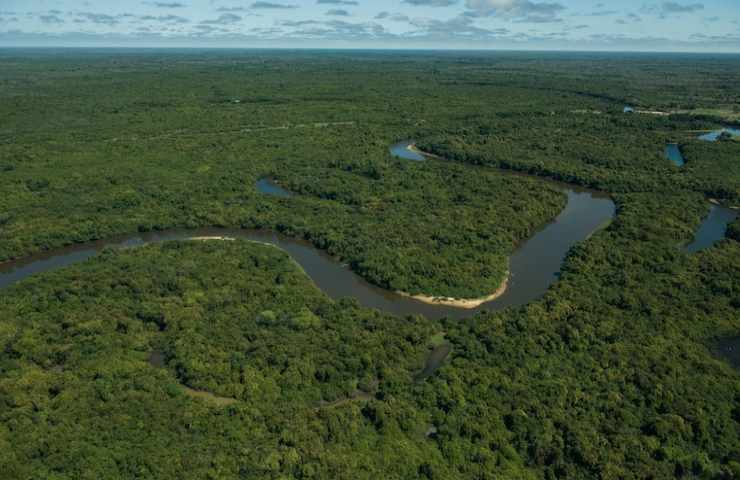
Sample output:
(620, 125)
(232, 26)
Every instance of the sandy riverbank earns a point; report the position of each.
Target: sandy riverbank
(413, 148)
(716, 202)
(468, 303)
(205, 239)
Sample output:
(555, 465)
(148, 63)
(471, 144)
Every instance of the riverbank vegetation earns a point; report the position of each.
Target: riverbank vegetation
(237, 320)
(616, 354)
(612, 374)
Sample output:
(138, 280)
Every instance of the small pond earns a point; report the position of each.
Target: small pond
(673, 152)
(269, 187)
(404, 150)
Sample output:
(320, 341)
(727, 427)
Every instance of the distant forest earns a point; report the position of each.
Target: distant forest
(221, 359)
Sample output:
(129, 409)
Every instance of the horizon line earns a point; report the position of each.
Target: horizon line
(379, 49)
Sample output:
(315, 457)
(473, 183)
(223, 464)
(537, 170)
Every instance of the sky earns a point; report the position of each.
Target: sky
(624, 25)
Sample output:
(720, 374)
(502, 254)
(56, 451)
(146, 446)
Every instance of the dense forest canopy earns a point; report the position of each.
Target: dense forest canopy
(612, 374)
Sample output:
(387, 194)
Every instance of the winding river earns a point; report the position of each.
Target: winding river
(673, 150)
(534, 265)
(714, 226)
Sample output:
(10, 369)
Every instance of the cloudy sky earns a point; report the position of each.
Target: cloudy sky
(680, 25)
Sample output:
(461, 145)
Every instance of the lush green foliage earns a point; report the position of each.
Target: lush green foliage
(610, 375)
(618, 152)
(171, 149)
(433, 227)
(625, 385)
(78, 396)
(717, 165)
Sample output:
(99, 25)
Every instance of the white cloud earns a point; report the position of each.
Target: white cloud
(521, 10)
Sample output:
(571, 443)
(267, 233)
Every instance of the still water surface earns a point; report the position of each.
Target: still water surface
(713, 228)
(673, 152)
(534, 265)
(714, 136)
(269, 187)
(403, 150)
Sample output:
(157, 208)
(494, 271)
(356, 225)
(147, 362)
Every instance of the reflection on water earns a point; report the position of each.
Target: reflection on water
(714, 136)
(673, 152)
(534, 265)
(403, 150)
(269, 187)
(713, 228)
